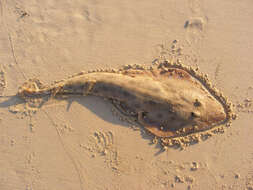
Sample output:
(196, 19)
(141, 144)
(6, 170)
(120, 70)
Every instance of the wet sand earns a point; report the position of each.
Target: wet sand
(79, 143)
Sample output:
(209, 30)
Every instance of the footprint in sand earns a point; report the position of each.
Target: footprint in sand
(195, 29)
(196, 24)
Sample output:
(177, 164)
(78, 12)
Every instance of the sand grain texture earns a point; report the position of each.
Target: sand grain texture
(78, 143)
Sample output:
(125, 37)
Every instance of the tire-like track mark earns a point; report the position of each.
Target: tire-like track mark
(74, 162)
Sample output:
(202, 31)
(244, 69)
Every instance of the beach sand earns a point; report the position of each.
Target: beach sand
(79, 143)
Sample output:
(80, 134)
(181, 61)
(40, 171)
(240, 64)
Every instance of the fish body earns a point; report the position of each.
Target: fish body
(167, 101)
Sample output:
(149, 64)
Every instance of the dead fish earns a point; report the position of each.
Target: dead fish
(169, 100)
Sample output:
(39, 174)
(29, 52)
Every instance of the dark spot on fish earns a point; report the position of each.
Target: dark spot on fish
(125, 93)
(137, 105)
(163, 72)
(151, 102)
(159, 115)
(95, 90)
(144, 114)
(104, 88)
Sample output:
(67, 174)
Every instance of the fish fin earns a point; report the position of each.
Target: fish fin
(122, 109)
(156, 130)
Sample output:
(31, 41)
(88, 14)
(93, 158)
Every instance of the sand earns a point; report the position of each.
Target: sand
(79, 143)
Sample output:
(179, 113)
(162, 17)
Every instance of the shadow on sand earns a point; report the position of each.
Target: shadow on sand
(95, 104)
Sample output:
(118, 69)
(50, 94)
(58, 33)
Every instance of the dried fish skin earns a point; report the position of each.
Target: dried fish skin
(170, 100)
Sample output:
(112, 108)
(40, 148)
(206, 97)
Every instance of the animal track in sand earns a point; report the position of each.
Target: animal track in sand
(2, 81)
(102, 144)
(245, 106)
(173, 174)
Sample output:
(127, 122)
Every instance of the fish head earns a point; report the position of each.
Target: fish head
(200, 113)
(193, 112)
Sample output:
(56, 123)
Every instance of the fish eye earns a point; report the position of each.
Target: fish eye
(197, 103)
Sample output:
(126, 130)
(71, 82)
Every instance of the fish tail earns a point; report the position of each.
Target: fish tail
(33, 88)
(28, 92)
